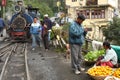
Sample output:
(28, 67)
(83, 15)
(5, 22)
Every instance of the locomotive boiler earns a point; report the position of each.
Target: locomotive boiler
(19, 29)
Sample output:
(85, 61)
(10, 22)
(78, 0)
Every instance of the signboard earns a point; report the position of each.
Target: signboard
(3, 3)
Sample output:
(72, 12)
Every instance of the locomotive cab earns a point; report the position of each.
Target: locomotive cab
(19, 25)
(18, 31)
(33, 11)
(20, 22)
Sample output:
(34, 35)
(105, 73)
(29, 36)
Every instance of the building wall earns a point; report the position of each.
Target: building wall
(119, 5)
(113, 3)
(95, 24)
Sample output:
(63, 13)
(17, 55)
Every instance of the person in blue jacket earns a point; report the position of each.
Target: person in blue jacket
(35, 30)
(2, 25)
(76, 39)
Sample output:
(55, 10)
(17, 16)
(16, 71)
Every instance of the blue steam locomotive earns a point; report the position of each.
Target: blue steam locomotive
(19, 29)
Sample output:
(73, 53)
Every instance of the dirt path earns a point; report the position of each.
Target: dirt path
(51, 66)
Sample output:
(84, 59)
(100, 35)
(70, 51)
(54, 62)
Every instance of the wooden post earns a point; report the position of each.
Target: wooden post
(86, 44)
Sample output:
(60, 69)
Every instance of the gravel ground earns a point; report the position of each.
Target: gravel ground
(50, 65)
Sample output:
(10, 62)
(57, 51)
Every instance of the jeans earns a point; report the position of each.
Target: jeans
(1, 29)
(35, 40)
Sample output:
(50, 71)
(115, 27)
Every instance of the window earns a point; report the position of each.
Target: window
(84, 12)
(74, 0)
(87, 14)
(97, 14)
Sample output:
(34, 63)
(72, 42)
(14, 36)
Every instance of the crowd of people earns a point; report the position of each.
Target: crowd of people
(40, 31)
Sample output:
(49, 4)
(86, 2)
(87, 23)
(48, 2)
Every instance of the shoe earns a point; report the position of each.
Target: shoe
(46, 49)
(77, 72)
(82, 69)
(1, 35)
(33, 49)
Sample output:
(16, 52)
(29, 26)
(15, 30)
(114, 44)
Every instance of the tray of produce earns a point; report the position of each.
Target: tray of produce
(91, 57)
(100, 72)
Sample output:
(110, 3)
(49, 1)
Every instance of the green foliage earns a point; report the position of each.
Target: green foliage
(112, 33)
(43, 7)
(65, 31)
(9, 3)
(93, 55)
(60, 50)
(66, 26)
(55, 31)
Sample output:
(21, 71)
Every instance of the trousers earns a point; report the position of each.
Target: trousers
(76, 56)
(35, 40)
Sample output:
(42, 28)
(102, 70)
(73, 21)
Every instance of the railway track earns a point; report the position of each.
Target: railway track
(14, 65)
(6, 45)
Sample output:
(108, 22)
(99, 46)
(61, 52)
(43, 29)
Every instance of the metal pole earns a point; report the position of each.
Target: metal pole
(2, 11)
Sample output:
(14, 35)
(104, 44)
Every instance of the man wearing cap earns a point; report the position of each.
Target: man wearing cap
(76, 38)
(48, 22)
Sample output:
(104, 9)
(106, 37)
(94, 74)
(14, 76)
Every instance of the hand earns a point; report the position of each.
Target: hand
(97, 63)
(45, 25)
(85, 29)
(39, 30)
(49, 30)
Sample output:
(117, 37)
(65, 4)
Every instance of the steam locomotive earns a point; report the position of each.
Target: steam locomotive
(19, 29)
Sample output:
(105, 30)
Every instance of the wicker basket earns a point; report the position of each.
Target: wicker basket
(89, 63)
(99, 77)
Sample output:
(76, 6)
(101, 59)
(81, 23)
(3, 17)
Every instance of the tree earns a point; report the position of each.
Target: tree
(112, 33)
(43, 7)
(9, 4)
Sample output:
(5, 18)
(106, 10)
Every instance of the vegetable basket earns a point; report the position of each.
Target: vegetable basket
(89, 63)
(100, 72)
(99, 77)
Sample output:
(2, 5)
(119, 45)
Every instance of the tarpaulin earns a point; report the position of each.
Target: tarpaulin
(117, 50)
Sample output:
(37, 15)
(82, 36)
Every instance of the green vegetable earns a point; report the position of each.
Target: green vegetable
(93, 55)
